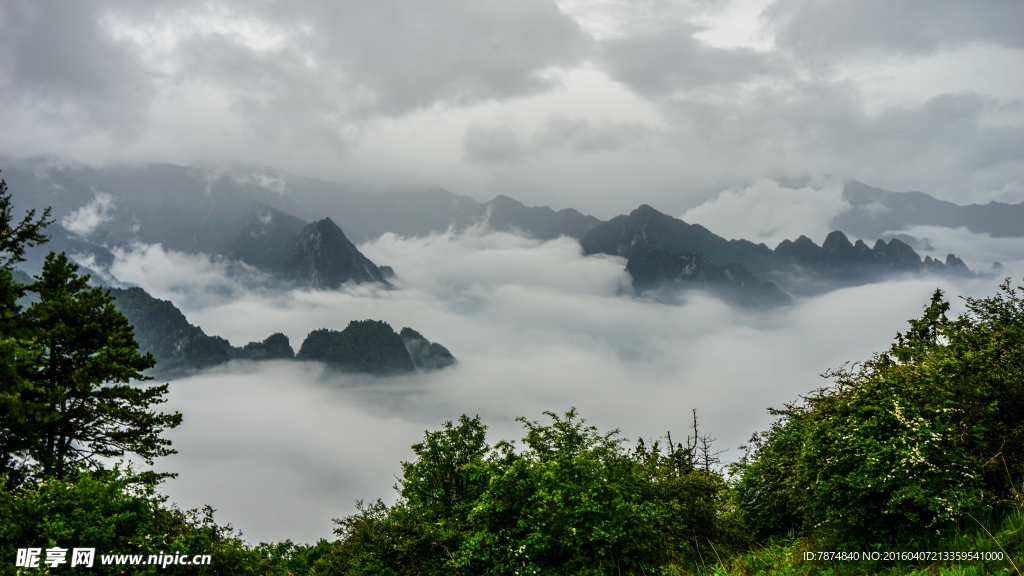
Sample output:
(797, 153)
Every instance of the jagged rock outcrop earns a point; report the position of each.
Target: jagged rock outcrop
(837, 258)
(663, 251)
(799, 265)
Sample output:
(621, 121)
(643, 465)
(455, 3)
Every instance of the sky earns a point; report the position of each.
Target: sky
(743, 115)
(597, 105)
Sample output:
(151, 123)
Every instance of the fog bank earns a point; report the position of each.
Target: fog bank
(280, 448)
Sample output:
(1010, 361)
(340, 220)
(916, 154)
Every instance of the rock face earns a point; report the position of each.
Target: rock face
(365, 346)
(322, 257)
(426, 355)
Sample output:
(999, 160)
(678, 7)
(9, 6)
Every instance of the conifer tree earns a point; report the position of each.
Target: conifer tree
(67, 366)
(84, 404)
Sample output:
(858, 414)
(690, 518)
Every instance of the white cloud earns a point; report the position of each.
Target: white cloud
(769, 212)
(88, 218)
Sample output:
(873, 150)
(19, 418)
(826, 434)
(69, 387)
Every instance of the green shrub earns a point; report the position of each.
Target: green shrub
(906, 443)
(571, 501)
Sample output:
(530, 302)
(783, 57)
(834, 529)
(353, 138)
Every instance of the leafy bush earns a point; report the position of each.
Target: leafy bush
(909, 441)
(572, 501)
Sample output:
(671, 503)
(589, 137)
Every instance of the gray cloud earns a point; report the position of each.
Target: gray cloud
(828, 30)
(495, 143)
(503, 143)
(402, 93)
(947, 145)
(584, 136)
(58, 61)
(769, 212)
(670, 60)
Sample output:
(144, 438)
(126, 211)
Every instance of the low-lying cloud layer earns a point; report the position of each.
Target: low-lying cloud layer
(280, 448)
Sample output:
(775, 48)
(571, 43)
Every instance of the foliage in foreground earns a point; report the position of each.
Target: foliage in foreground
(913, 440)
(572, 501)
(117, 512)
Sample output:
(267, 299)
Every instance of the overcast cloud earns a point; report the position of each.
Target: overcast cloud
(596, 105)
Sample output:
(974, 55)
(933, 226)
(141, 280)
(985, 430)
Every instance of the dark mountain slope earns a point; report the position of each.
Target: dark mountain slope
(322, 257)
(162, 329)
(268, 238)
(645, 227)
(654, 269)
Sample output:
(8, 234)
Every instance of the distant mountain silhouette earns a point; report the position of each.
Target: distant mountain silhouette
(322, 257)
(200, 210)
(646, 227)
(267, 238)
(874, 211)
(317, 255)
(654, 269)
(664, 251)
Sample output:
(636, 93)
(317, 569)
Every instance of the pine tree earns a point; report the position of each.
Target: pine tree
(83, 403)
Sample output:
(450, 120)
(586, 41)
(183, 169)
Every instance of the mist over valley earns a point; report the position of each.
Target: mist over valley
(535, 323)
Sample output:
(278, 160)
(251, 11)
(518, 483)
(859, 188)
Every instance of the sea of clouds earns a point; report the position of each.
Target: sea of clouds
(281, 448)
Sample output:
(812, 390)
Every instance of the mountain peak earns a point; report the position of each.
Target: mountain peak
(322, 257)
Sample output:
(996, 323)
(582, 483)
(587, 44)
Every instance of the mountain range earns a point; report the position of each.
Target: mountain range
(305, 231)
(663, 251)
(364, 347)
(874, 212)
